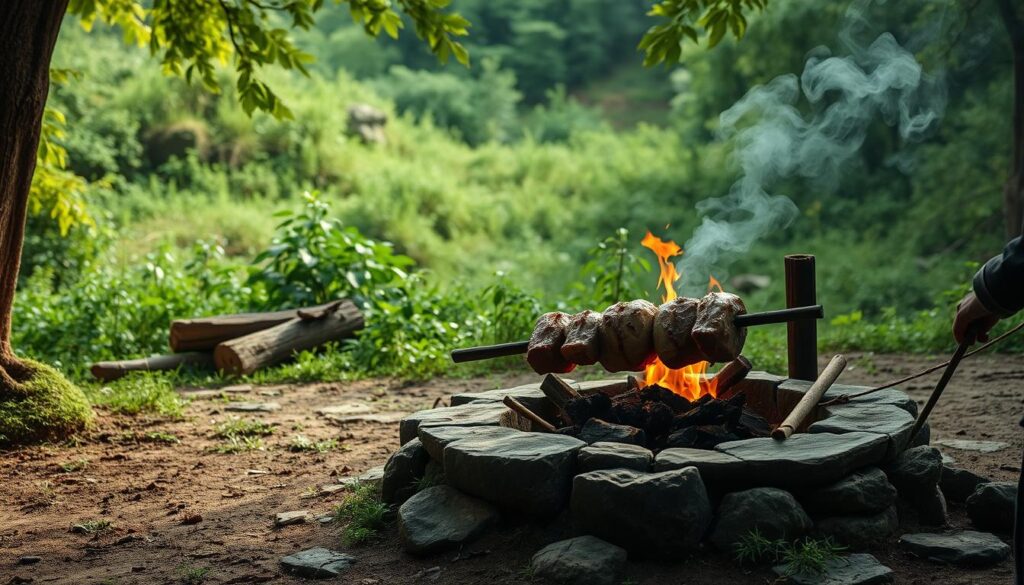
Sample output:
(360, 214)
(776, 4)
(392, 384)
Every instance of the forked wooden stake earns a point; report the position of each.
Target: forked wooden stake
(532, 416)
(811, 399)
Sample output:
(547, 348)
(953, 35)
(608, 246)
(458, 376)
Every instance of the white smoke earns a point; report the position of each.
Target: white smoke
(773, 139)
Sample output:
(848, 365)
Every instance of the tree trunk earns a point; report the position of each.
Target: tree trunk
(28, 32)
(1013, 190)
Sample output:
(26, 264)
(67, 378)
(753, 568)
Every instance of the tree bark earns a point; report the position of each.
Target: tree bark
(28, 32)
(1013, 189)
(205, 333)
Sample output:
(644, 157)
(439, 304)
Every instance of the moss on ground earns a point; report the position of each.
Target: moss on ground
(45, 407)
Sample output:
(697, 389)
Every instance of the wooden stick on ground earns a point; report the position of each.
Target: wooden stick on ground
(529, 414)
(204, 333)
(271, 346)
(558, 390)
(811, 399)
(731, 374)
(108, 371)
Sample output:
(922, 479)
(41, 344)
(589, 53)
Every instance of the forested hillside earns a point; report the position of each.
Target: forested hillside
(499, 181)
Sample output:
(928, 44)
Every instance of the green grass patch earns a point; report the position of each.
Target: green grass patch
(92, 527)
(303, 444)
(808, 556)
(73, 466)
(236, 444)
(193, 575)
(363, 514)
(139, 394)
(243, 428)
(45, 407)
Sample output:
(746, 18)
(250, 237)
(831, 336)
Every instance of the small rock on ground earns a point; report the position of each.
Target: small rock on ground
(403, 469)
(772, 512)
(958, 484)
(252, 406)
(317, 563)
(585, 560)
(442, 517)
(969, 445)
(372, 476)
(968, 548)
(916, 470)
(863, 492)
(991, 506)
(289, 518)
(857, 569)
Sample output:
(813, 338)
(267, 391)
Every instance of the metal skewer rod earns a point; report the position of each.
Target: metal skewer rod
(947, 375)
(486, 352)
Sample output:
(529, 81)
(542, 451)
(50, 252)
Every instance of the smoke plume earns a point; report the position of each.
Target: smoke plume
(772, 139)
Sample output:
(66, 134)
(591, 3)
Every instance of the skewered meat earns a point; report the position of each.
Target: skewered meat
(582, 338)
(627, 330)
(544, 353)
(672, 340)
(714, 332)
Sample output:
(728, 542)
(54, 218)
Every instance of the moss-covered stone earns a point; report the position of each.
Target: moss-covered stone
(46, 406)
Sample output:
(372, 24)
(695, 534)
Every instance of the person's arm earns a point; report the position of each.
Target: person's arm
(998, 293)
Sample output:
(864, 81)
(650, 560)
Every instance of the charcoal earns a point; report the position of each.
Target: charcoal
(658, 418)
(571, 431)
(711, 412)
(582, 409)
(655, 393)
(753, 424)
(701, 437)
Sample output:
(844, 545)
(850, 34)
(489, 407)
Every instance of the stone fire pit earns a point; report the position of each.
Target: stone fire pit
(838, 477)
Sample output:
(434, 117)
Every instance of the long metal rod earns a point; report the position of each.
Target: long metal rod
(947, 375)
(486, 352)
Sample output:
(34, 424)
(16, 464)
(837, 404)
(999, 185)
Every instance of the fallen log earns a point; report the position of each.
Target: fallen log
(204, 333)
(244, 355)
(108, 371)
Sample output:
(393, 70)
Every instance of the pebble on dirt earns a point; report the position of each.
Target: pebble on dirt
(289, 518)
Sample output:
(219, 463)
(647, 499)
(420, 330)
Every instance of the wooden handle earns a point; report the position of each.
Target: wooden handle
(811, 399)
(486, 352)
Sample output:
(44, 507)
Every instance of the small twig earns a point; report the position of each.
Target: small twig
(529, 414)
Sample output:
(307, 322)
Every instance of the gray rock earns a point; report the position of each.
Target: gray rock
(252, 406)
(584, 560)
(442, 517)
(915, 471)
(435, 439)
(433, 475)
(973, 549)
(530, 395)
(991, 506)
(791, 391)
(372, 476)
(289, 518)
(806, 459)
(486, 414)
(598, 431)
(772, 512)
(931, 508)
(856, 569)
(528, 472)
(885, 419)
(317, 563)
(969, 445)
(859, 532)
(867, 491)
(614, 456)
(958, 484)
(401, 472)
(715, 467)
(659, 514)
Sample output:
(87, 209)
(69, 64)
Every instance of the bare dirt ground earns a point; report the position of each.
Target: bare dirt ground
(179, 507)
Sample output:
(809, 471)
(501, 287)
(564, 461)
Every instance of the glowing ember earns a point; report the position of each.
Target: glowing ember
(691, 381)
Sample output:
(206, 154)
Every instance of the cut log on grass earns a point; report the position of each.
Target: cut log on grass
(108, 371)
(247, 354)
(204, 333)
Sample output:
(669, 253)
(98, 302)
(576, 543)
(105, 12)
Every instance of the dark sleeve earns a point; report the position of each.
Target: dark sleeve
(999, 285)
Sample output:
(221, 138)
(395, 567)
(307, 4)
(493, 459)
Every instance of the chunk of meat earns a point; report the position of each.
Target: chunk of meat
(582, 338)
(673, 326)
(714, 332)
(544, 353)
(626, 340)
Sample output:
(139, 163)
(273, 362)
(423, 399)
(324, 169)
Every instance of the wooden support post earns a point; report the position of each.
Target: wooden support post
(801, 291)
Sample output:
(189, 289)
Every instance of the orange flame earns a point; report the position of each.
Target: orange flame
(690, 382)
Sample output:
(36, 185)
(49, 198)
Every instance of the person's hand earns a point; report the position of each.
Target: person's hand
(970, 312)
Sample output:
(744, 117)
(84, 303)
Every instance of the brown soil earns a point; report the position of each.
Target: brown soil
(178, 506)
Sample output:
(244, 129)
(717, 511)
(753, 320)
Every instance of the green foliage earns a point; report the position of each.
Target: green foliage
(663, 43)
(45, 406)
(133, 394)
(243, 428)
(808, 556)
(363, 514)
(614, 273)
(314, 259)
(303, 444)
(193, 575)
(238, 444)
(92, 527)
